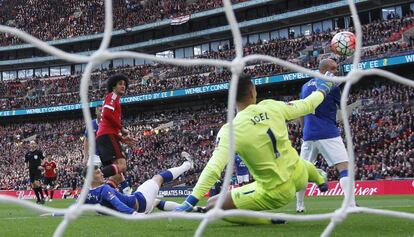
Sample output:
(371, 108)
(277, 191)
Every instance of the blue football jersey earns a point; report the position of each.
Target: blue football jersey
(107, 196)
(94, 126)
(95, 129)
(321, 124)
(241, 168)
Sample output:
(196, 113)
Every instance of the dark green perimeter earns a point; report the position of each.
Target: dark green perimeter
(17, 221)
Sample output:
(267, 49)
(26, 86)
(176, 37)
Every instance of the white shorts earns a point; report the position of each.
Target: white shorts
(149, 189)
(96, 160)
(332, 149)
(242, 179)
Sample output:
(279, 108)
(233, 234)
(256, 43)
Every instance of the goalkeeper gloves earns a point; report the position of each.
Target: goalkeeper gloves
(188, 204)
(323, 86)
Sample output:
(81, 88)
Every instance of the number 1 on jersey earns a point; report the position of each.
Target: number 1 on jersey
(274, 142)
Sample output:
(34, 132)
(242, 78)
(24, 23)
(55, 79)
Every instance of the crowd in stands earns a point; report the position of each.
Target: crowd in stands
(52, 20)
(156, 77)
(382, 128)
(382, 134)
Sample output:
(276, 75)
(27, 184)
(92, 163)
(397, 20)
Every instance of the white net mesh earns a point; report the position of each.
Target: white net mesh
(236, 66)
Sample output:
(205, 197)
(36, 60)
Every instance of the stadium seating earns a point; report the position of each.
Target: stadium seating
(64, 90)
(35, 17)
(382, 132)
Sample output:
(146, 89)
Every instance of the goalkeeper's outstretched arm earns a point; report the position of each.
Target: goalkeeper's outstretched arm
(298, 108)
(211, 173)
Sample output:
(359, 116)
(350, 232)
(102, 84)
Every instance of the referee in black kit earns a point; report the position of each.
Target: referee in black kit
(33, 159)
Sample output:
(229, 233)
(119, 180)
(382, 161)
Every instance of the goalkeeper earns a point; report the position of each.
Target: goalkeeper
(262, 141)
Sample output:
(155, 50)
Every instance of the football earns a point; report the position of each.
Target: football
(343, 43)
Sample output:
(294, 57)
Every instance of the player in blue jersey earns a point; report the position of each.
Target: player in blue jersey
(242, 172)
(143, 200)
(321, 134)
(95, 159)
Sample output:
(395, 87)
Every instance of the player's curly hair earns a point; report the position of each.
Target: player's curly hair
(243, 87)
(114, 79)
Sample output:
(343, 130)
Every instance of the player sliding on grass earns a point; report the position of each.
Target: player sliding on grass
(144, 199)
(261, 140)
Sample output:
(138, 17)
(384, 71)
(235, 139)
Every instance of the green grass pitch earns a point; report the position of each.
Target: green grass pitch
(18, 221)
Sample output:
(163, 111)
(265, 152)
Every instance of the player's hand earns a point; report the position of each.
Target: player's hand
(40, 168)
(187, 205)
(324, 86)
(129, 140)
(125, 132)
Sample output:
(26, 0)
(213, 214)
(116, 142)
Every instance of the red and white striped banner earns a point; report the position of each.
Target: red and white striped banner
(29, 194)
(362, 188)
(366, 188)
(180, 20)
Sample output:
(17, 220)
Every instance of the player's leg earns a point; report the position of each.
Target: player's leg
(165, 205)
(36, 175)
(113, 161)
(52, 188)
(34, 187)
(239, 180)
(46, 188)
(249, 197)
(308, 152)
(111, 155)
(147, 192)
(38, 190)
(246, 179)
(334, 152)
(41, 190)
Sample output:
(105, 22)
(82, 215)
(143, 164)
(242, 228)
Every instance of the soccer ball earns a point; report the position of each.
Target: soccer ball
(343, 43)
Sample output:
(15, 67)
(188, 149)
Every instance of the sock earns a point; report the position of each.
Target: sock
(300, 195)
(40, 192)
(110, 170)
(46, 194)
(124, 184)
(314, 175)
(167, 205)
(51, 193)
(173, 173)
(344, 182)
(37, 194)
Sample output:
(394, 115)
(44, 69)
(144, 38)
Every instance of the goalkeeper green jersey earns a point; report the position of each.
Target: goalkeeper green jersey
(262, 141)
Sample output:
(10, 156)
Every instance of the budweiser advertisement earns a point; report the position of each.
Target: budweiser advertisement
(362, 188)
(366, 188)
(29, 194)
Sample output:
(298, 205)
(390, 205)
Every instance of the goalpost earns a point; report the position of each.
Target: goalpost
(236, 66)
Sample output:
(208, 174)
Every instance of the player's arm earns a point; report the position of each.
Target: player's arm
(124, 131)
(26, 162)
(42, 165)
(211, 173)
(298, 108)
(55, 168)
(85, 150)
(109, 196)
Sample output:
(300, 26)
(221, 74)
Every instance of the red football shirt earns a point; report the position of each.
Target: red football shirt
(50, 169)
(111, 116)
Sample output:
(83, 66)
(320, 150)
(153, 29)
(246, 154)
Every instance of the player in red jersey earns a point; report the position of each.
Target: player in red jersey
(111, 133)
(50, 175)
